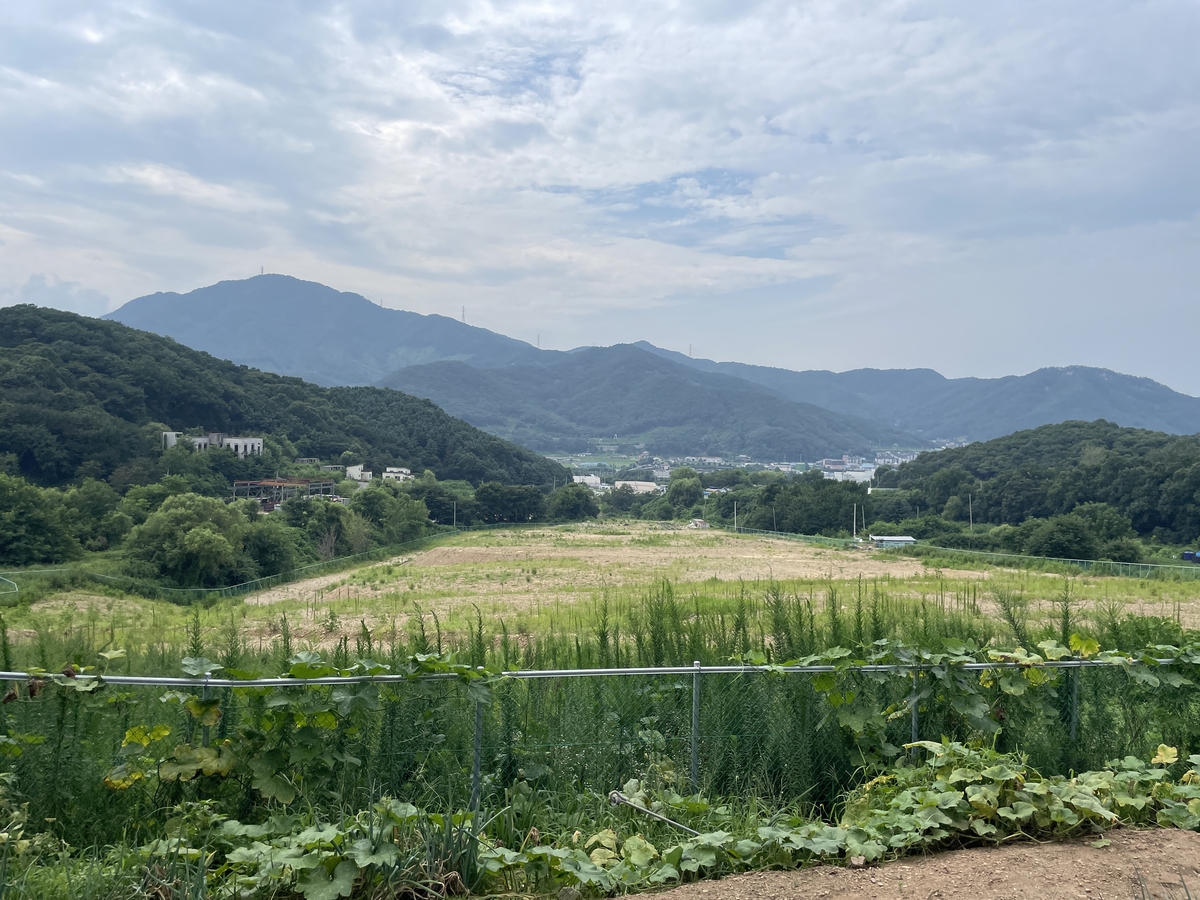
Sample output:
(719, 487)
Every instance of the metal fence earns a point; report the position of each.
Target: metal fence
(1091, 566)
(796, 734)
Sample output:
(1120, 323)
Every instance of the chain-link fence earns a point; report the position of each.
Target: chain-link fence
(788, 735)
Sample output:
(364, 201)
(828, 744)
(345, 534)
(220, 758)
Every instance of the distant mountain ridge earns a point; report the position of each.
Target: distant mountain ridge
(637, 396)
(282, 324)
(933, 407)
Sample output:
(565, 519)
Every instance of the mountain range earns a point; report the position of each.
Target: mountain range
(671, 402)
(642, 398)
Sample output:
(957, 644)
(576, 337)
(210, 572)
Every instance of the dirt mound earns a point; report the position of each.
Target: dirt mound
(1153, 864)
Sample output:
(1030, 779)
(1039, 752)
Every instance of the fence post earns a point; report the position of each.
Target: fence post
(1075, 703)
(205, 695)
(915, 721)
(477, 756)
(696, 729)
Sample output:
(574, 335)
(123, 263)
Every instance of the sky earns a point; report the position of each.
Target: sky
(982, 189)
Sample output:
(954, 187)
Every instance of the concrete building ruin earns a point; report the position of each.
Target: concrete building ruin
(242, 446)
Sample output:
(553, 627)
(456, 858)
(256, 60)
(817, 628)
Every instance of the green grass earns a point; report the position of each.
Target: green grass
(587, 596)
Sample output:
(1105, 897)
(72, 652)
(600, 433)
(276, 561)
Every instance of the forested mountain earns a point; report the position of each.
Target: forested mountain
(933, 407)
(282, 324)
(84, 397)
(628, 392)
(1151, 478)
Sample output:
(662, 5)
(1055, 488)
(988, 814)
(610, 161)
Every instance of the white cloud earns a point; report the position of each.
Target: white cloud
(68, 295)
(169, 182)
(587, 162)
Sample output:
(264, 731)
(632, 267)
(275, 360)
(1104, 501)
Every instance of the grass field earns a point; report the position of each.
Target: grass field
(550, 588)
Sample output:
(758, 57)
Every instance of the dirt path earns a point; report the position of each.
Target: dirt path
(1137, 864)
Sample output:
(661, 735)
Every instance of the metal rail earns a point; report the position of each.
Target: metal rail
(693, 670)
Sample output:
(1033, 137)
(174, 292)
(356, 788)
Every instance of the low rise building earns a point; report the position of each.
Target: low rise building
(639, 487)
(591, 481)
(885, 541)
(392, 473)
(242, 446)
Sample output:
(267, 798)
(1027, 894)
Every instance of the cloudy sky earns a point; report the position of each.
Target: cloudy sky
(981, 188)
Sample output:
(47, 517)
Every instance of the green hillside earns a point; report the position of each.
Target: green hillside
(82, 397)
(1151, 478)
(638, 396)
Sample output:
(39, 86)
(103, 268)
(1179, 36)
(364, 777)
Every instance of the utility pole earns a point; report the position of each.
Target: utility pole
(455, 502)
(735, 517)
(854, 527)
(970, 512)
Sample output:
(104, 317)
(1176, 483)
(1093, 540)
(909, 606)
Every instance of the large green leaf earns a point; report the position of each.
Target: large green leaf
(320, 884)
(366, 853)
(639, 851)
(197, 666)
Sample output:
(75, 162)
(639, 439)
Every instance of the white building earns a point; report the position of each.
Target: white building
(892, 540)
(860, 477)
(591, 481)
(358, 473)
(639, 487)
(392, 473)
(242, 446)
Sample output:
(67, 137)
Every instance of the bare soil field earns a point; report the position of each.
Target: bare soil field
(1156, 864)
(719, 556)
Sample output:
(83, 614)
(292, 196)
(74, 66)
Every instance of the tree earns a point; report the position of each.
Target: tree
(395, 517)
(32, 526)
(357, 531)
(572, 503)
(195, 541)
(684, 493)
(1104, 522)
(1063, 537)
(509, 502)
(444, 505)
(91, 509)
(272, 546)
(620, 500)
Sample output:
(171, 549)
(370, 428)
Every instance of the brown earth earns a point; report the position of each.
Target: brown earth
(1155, 863)
(728, 559)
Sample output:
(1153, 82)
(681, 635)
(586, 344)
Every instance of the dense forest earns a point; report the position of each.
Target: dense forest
(84, 398)
(1150, 478)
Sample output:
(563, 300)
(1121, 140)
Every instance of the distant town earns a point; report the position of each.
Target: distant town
(602, 469)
